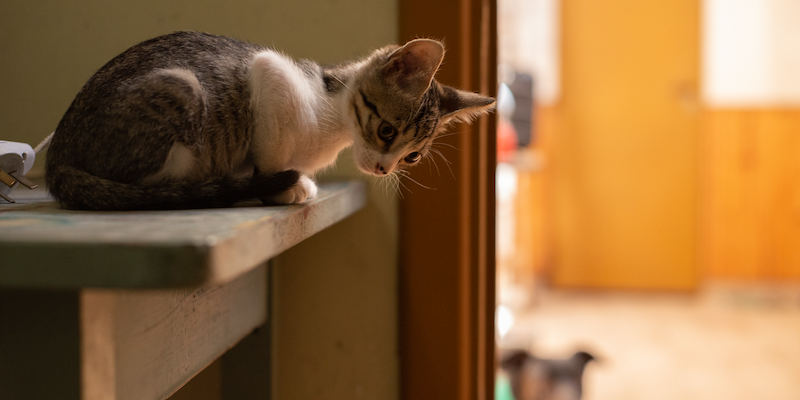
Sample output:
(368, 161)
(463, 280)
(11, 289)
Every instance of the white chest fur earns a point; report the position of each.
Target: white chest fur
(297, 125)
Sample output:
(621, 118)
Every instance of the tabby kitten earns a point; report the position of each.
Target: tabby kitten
(193, 120)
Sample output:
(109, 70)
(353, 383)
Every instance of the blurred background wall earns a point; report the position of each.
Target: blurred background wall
(750, 159)
(665, 142)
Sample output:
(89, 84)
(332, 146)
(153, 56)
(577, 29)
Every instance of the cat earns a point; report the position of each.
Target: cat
(195, 120)
(534, 378)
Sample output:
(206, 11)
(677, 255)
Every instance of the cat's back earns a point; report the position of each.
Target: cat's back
(209, 56)
(220, 64)
(152, 94)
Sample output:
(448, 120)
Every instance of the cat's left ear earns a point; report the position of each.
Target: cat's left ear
(413, 66)
(463, 106)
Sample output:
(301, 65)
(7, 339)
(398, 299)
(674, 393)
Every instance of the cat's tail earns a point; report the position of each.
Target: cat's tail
(79, 190)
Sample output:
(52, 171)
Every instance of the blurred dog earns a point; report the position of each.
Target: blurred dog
(534, 378)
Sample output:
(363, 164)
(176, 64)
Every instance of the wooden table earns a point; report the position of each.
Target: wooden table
(131, 305)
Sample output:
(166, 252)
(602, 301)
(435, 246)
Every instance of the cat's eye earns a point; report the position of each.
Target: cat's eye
(386, 132)
(413, 157)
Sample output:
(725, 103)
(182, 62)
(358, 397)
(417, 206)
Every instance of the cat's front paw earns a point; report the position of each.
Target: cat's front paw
(305, 189)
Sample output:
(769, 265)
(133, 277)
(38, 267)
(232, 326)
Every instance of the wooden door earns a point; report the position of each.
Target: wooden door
(625, 150)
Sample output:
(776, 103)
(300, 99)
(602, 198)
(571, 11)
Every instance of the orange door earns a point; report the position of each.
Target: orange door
(625, 151)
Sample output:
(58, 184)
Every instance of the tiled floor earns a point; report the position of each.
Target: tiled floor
(725, 343)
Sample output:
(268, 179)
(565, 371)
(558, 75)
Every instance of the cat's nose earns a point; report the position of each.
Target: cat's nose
(380, 170)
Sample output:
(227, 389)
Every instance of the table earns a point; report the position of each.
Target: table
(131, 305)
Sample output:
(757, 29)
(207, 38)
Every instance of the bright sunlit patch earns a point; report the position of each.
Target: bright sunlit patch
(504, 320)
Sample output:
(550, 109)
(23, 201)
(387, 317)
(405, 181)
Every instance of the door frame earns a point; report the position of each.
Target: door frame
(446, 284)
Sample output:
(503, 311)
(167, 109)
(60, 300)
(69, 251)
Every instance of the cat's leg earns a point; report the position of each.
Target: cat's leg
(283, 110)
(304, 189)
(277, 161)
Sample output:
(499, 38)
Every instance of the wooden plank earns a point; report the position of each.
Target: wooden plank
(44, 246)
(246, 369)
(144, 345)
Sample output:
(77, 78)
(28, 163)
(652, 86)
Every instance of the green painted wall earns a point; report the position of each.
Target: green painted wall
(48, 49)
(335, 307)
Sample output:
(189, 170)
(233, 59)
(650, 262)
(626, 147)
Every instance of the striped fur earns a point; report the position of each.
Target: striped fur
(197, 120)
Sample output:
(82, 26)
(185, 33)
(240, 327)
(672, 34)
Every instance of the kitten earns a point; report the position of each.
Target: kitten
(193, 120)
(534, 378)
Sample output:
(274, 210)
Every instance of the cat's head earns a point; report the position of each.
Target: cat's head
(400, 108)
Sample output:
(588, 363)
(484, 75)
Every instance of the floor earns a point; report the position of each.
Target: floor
(726, 343)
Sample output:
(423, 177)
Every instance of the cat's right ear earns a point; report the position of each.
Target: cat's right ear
(413, 66)
(460, 105)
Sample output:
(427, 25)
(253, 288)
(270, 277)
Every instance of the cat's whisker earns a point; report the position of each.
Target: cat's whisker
(343, 84)
(388, 187)
(385, 184)
(395, 185)
(407, 175)
(433, 161)
(400, 183)
(389, 184)
(444, 144)
(450, 134)
(391, 187)
(436, 151)
(447, 162)
(375, 183)
(395, 182)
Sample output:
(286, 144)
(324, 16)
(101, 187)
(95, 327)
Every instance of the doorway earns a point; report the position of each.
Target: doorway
(642, 217)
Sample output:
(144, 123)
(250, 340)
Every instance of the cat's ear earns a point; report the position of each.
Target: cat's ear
(413, 66)
(460, 105)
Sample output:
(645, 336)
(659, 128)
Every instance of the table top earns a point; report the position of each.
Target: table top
(43, 246)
